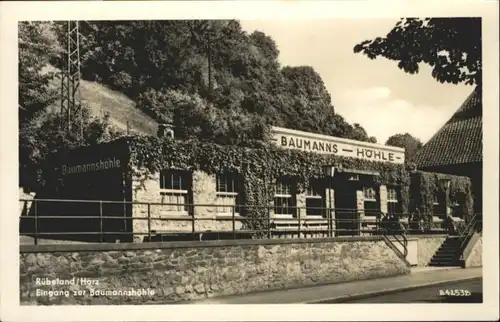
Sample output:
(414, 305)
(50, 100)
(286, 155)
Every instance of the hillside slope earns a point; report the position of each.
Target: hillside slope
(101, 100)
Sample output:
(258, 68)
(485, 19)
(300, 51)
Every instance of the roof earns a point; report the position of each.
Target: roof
(460, 140)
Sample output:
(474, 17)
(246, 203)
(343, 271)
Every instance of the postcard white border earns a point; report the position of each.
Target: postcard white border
(12, 12)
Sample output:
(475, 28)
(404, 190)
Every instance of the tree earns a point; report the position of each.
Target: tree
(406, 141)
(37, 43)
(357, 132)
(42, 136)
(452, 46)
(171, 67)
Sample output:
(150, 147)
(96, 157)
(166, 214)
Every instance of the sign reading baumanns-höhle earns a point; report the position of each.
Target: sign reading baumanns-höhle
(311, 142)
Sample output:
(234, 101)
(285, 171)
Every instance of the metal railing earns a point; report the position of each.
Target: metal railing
(398, 230)
(474, 225)
(122, 221)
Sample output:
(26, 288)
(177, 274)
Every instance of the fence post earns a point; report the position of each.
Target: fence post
(330, 222)
(269, 222)
(298, 217)
(149, 222)
(193, 223)
(36, 221)
(100, 221)
(234, 221)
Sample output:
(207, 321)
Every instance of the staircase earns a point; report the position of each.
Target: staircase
(449, 253)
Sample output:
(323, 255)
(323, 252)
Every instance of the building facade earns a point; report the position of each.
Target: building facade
(299, 184)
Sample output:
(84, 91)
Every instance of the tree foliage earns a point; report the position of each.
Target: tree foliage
(406, 141)
(451, 46)
(37, 42)
(41, 137)
(40, 134)
(212, 80)
(234, 75)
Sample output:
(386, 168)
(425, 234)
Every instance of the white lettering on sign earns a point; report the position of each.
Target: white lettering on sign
(100, 165)
(311, 142)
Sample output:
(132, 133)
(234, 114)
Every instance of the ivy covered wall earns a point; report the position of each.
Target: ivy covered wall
(259, 166)
(262, 164)
(429, 187)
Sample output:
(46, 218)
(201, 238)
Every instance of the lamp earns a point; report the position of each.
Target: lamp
(445, 182)
(328, 171)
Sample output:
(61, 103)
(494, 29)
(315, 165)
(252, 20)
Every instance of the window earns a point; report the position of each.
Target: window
(314, 199)
(174, 189)
(370, 201)
(228, 193)
(284, 199)
(392, 201)
(370, 194)
(438, 208)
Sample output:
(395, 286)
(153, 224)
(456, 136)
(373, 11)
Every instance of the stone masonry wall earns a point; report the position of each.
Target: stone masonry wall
(204, 193)
(427, 247)
(185, 271)
(475, 258)
(383, 199)
(360, 206)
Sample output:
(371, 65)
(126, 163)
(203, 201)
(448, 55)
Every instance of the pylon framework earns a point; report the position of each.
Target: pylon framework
(71, 105)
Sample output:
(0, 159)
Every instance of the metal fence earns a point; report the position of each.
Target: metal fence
(122, 221)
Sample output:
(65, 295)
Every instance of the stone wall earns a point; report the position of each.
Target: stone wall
(148, 190)
(383, 199)
(25, 204)
(184, 271)
(427, 247)
(360, 206)
(475, 258)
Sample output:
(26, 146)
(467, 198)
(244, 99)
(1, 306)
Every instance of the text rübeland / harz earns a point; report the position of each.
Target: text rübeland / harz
(71, 281)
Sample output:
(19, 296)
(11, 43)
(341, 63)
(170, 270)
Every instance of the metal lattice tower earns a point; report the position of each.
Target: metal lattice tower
(71, 104)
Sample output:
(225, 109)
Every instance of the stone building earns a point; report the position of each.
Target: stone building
(299, 183)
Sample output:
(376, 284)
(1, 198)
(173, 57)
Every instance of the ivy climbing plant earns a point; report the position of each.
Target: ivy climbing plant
(259, 166)
(429, 187)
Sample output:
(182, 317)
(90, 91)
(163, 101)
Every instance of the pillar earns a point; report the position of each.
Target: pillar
(383, 199)
(360, 207)
(330, 206)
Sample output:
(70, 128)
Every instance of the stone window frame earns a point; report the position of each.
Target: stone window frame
(229, 193)
(393, 200)
(176, 190)
(285, 190)
(315, 192)
(369, 197)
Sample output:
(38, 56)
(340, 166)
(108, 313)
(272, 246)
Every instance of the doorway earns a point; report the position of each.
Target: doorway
(346, 214)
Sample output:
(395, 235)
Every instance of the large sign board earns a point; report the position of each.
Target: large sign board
(96, 159)
(317, 143)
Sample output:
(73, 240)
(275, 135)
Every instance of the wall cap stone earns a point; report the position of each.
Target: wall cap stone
(184, 244)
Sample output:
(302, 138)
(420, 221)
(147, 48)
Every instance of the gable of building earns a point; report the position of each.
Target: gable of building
(459, 141)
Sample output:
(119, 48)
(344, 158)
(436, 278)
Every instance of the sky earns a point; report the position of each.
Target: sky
(374, 93)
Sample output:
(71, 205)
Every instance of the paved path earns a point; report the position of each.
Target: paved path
(470, 291)
(352, 290)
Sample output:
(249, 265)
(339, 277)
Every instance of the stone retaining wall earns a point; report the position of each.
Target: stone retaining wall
(184, 271)
(475, 258)
(427, 247)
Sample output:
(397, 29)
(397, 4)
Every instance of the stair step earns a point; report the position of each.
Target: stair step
(456, 263)
(444, 258)
(447, 251)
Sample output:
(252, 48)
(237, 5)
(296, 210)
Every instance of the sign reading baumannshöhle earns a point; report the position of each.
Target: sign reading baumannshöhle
(317, 143)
